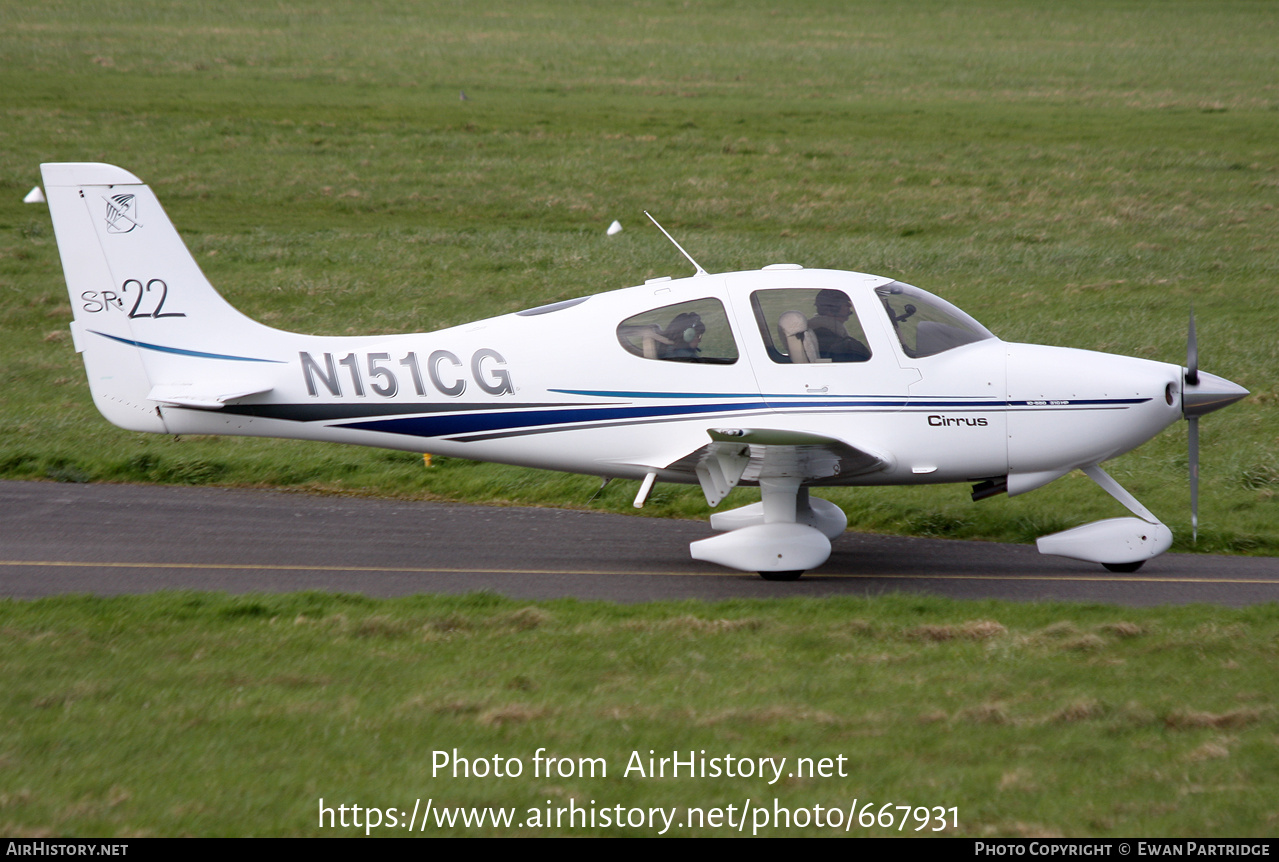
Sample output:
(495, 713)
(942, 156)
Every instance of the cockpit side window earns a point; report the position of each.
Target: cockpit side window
(803, 325)
(695, 331)
(925, 324)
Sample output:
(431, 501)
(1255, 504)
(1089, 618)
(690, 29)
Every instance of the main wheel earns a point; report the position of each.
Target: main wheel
(781, 576)
(1124, 567)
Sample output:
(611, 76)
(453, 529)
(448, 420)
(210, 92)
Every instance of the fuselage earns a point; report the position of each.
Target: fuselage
(576, 387)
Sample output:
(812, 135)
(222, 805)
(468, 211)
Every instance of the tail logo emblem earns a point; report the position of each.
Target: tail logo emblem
(122, 211)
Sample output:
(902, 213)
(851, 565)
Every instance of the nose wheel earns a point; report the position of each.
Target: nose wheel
(781, 576)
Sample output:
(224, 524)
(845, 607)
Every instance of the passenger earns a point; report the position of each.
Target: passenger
(833, 341)
(682, 338)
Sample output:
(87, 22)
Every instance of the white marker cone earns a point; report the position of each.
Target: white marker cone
(35, 196)
(615, 227)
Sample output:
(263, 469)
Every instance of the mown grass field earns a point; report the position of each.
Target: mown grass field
(211, 715)
(1077, 175)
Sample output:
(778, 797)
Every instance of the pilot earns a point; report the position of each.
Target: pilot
(682, 337)
(833, 341)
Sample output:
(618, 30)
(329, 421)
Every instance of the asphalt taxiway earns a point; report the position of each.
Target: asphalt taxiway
(118, 539)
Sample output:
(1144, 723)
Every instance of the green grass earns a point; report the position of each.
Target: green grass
(1077, 176)
(214, 715)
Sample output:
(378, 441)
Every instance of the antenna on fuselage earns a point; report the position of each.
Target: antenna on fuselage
(697, 266)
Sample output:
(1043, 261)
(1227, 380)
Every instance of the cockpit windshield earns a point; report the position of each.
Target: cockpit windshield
(925, 324)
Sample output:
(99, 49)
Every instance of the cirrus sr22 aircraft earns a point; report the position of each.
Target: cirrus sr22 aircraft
(785, 378)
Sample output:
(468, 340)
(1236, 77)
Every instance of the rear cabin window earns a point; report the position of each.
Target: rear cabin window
(809, 325)
(695, 331)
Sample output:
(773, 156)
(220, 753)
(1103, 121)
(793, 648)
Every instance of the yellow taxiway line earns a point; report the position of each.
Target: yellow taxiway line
(1132, 579)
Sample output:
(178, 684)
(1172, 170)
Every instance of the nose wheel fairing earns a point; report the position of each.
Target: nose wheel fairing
(1119, 544)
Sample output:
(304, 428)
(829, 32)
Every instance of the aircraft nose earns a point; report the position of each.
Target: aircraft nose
(1208, 394)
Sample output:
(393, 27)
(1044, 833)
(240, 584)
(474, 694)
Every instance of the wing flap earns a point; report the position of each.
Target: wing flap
(735, 455)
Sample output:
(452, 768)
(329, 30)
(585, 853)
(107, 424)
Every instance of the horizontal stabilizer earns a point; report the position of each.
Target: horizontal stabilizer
(200, 397)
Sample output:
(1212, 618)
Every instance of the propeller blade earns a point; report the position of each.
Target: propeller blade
(1192, 353)
(1192, 379)
(1194, 476)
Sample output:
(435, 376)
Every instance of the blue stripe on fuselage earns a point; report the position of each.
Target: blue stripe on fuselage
(451, 425)
(443, 426)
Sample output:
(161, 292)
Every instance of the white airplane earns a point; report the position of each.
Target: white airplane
(786, 378)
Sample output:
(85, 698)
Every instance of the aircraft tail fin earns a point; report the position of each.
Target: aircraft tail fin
(147, 321)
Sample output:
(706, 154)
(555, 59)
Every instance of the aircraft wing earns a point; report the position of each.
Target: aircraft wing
(751, 454)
